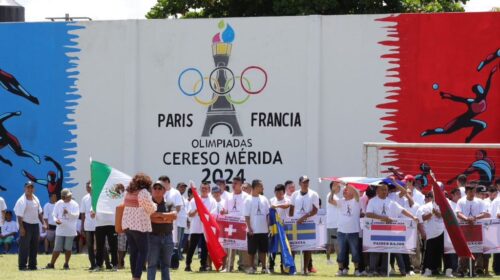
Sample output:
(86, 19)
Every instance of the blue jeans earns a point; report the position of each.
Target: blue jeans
(138, 251)
(161, 248)
(180, 243)
(348, 241)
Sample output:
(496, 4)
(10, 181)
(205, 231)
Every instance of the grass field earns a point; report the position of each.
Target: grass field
(79, 264)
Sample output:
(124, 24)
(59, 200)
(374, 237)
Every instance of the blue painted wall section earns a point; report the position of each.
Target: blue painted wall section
(42, 57)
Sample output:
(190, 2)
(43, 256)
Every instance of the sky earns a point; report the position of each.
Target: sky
(38, 10)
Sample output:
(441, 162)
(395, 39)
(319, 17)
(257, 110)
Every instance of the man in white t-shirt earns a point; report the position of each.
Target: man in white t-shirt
(430, 216)
(196, 230)
(3, 208)
(220, 203)
(8, 231)
(234, 208)
(256, 212)
(48, 208)
(417, 196)
(88, 224)
(332, 215)
(382, 208)
(349, 211)
(224, 190)
(304, 205)
(289, 189)
(281, 204)
(29, 215)
(66, 213)
(174, 199)
(470, 209)
(181, 221)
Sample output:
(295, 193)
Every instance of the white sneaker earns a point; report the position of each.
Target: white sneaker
(449, 273)
(357, 273)
(427, 273)
(339, 273)
(329, 262)
(251, 270)
(345, 271)
(224, 270)
(411, 273)
(265, 271)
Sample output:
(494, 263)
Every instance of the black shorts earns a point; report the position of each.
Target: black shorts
(258, 242)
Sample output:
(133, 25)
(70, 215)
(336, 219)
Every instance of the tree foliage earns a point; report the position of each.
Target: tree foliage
(254, 8)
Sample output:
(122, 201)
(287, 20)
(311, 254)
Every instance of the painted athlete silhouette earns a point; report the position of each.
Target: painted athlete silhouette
(475, 106)
(54, 180)
(484, 166)
(10, 83)
(490, 58)
(7, 139)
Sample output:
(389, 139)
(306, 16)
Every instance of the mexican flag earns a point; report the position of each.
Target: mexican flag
(108, 187)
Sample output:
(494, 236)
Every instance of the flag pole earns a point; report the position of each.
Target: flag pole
(470, 267)
(230, 254)
(302, 263)
(389, 264)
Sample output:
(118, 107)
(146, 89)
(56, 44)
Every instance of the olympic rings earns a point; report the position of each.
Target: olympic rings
(180, 86)
(206, 103)
(249, 90)
(242, 101)
(226, 91)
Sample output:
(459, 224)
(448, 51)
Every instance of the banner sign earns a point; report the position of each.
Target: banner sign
(233, 232)
(302, 237)
(472, 233)
(491, 236)
(399, 236)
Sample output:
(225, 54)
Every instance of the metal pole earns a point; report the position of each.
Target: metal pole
(230, 253)
(389, 265)
(302, 267)
(470, 267)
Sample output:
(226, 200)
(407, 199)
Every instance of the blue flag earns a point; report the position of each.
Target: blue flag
(279, 239)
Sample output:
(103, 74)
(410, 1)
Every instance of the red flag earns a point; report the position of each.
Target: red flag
(450, 221)
(212, 232)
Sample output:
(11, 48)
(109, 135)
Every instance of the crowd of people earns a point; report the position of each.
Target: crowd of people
(155, 211)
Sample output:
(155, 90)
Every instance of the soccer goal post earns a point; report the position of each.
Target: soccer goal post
(448, 160)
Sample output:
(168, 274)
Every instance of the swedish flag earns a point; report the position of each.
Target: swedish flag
(279, 239)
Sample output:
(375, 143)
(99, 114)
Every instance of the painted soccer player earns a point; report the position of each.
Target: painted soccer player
(54, 180)
(484, 166)
(475, 106)
(7, 139)
(490, 58)
(10, 83)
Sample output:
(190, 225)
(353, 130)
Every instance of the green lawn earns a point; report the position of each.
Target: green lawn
(79, 264)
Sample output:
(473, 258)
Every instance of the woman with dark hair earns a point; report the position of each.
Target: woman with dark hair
(136, 221)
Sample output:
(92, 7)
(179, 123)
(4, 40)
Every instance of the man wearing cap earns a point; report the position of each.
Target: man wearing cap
(172, 197)
(88, 224)
(417, 196)
(470, 209)
(304, 205)
(29, 214)
(382, 208)
(224, 193)
(161, 244)
(234, 207)
(66, 213)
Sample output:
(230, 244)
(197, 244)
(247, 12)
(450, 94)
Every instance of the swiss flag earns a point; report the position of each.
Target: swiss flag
(212, 231)
(233, 230)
